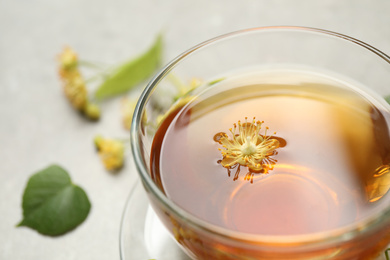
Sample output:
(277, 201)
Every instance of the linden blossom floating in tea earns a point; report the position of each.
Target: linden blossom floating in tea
(248, 148)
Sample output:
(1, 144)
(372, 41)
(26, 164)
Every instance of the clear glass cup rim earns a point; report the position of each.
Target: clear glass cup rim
(344, 233)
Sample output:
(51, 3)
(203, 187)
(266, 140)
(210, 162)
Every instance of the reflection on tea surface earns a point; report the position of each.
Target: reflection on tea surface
(332, 171)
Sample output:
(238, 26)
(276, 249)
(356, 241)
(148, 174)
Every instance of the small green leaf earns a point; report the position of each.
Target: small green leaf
(132, 73)
(52, 204)
(387, 254)
(387, 98)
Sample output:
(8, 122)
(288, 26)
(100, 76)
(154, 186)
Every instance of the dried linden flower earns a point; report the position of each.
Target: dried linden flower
(183, 89)
(76, 91)
(111, 152)
(248, 147)
(179, 99)
(74, 85)
(128, 107)
(68, 59)
(92, 111)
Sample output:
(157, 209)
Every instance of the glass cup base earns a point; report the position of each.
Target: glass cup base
(143, 236)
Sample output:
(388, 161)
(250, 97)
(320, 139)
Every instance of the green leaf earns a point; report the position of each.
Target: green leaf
(387, 98)
(132, 73)
(52, 204)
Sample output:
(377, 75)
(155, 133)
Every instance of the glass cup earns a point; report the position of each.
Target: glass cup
(267, 47)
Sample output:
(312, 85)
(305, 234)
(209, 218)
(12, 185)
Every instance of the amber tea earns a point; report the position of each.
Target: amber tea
(279, 152)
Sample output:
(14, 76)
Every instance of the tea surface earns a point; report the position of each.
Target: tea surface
(330, 170)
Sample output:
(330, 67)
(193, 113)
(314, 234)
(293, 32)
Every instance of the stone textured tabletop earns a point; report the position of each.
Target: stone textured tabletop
(38, 127)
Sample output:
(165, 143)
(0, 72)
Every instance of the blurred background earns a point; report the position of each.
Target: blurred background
(38, 127)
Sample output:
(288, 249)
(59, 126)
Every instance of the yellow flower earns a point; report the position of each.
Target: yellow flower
(68, 59)
(92, 111)
(111, 152)
(76, 92)
(184, 89)
(74, 85)
(128, 107)
(248, 147)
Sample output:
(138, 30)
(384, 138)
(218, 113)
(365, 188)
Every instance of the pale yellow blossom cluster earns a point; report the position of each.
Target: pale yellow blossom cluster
(74, 84)
(184, 89)
(111, 152)
(128, 106)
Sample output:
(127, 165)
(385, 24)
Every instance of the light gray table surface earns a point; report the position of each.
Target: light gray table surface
(38, 127)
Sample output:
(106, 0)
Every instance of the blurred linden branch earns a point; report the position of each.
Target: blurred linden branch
(116, 81)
